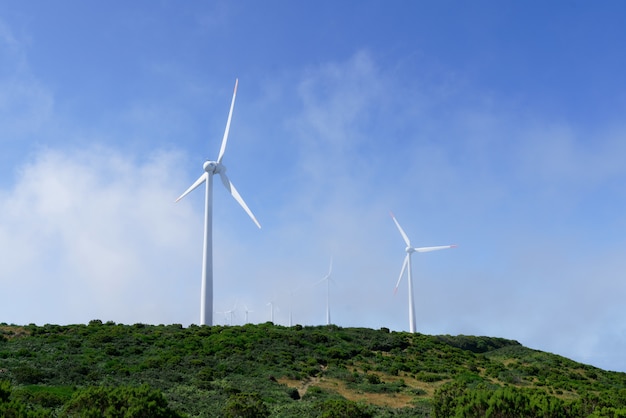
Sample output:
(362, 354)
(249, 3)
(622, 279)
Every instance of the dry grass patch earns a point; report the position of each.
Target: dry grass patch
(391, 400)
(13, 331)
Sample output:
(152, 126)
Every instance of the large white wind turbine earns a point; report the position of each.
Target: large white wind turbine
(407, 262)
(211, 168)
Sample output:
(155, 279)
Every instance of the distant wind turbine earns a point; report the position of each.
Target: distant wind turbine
(327, 279)
(290, 301)
(225, 316)
(246, 310)
(407, 262)
(271, 305)
(230, 313)
(211, 168)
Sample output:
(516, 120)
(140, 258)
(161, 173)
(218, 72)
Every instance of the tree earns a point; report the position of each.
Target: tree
(343, 408)
(245, 405)
(119, 402)
(5, 390)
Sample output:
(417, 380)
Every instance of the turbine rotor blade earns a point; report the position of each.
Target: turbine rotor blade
(404, 236)
(320, 281)
(234, 193)
(323, 279)
(427, 249)
(230, 116)
(406, 261)
(198, 182)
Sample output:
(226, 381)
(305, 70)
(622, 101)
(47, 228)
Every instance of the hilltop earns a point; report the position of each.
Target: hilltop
(268, 370)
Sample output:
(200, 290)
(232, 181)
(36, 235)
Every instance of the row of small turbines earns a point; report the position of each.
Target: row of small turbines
(216, 167)
(272, 306)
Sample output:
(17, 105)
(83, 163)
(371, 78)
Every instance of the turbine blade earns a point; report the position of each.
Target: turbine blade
(322, 280)
(406, 261)
(404, 236)
(234, 193)
(198, 182)
(427, 249)
(327, 277)
(230, 116)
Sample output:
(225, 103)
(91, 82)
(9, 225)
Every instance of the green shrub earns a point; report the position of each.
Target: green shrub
(5, 390)
(245, 405)
(342, 408)
(118, 402)
(373, 379)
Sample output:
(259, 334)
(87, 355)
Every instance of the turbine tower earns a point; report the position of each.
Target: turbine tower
(327, 280)
(290, 301)
(407, 262)
(247, 311)
(211, 168)
(271, 305)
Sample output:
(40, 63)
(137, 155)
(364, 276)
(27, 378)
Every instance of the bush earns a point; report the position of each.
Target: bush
(293, 393)
(373, 379)
(342, 408)
(28, 375)
(5, 390)
(245, 405)
(119, 402)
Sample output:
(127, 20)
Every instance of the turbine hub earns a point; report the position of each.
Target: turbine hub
(410, 250)
(210, 166)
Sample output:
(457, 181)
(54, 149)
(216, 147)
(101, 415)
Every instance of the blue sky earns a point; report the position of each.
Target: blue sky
(497, 126)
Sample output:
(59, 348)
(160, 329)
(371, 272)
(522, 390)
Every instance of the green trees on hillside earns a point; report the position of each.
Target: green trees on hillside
(455, 400)
(92, 402)
(104, 369)
(118, 402)
(245, 405)
(458, 400)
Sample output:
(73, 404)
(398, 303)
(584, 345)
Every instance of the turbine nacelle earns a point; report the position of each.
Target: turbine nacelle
(213, 167)
(409, 250)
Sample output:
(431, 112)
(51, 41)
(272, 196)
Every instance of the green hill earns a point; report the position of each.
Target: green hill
(108, 369)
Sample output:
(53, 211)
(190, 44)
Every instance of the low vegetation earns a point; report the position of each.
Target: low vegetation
(113, 370)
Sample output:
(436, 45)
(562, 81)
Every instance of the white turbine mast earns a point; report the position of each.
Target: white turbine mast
(211, 168)
(271, 305)
(229, 314)
(327, 279)
(407, 262)
(290, 302)
(246, 311)
(232, 312)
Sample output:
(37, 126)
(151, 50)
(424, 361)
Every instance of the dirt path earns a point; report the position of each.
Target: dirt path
(306, 384)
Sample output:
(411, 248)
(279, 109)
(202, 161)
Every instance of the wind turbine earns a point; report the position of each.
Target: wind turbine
(211, 168)
(271, 305)
(225, 316)
(290, 301)
(407, 262)
(231, 313)
(327, 279)
(245, 307)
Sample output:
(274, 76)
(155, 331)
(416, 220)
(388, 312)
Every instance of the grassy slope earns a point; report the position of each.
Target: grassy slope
(199, 369)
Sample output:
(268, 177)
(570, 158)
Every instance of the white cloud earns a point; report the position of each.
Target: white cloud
(94, 234)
